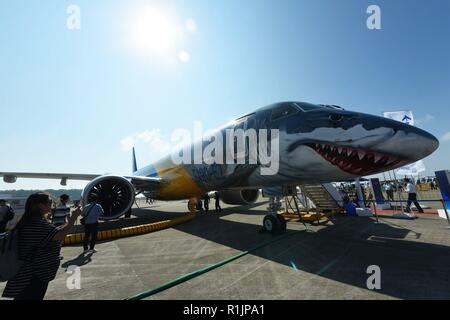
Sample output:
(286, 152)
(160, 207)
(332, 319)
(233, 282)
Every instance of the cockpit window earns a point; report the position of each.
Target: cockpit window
(307, 106)
(311, 107)
(283, 111)
(331, 107)
(243, 118)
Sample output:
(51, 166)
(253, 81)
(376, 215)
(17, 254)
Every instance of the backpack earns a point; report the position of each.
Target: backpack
(9, 255)
(9, 214)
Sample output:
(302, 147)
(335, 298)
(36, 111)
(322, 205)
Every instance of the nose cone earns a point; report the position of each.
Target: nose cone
(425, 145)
(403, 140)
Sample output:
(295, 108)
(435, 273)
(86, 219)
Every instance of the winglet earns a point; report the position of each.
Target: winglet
(133, 163)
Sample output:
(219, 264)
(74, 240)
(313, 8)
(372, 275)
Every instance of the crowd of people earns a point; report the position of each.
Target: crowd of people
(389, 188)
(202, 206)
(41, 230)
(349, 193)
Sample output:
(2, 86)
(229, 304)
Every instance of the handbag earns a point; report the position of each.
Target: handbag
(83, 220)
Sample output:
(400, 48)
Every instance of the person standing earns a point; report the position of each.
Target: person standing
(412, 196)
(349, 207)
(389, 191)
(62, 211)
(217, 202)
(39, 249)
(206, 202)
(91, 214)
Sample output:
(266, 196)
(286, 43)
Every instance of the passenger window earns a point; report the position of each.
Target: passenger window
(283, 111)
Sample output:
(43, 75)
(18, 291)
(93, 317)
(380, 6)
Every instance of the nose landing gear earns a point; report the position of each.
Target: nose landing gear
(192, 203)
(274, 224)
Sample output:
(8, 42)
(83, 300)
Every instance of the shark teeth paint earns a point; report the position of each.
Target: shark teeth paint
(361, 154)
(355, 161)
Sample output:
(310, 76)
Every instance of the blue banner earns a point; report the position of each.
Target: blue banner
(378, 193)
(444, 185)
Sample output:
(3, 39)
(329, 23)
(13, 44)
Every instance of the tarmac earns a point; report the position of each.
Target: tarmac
(327, 261)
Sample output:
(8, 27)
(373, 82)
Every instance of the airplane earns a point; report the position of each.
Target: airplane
(317, 144)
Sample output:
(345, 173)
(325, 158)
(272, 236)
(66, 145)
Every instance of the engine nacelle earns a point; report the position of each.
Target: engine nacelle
(244, 196)
(115, 195)
(9, 179)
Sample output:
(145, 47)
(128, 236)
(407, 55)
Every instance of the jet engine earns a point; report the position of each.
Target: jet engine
(115, 194)
(9, 179)
(244, 196)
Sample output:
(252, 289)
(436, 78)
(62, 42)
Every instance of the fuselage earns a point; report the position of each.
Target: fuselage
(317, 144)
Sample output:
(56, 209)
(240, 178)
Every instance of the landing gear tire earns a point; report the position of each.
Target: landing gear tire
(272, 224)
(282, 222)
(192, 206)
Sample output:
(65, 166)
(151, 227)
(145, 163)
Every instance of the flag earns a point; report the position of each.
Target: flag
(408, 118)
(402, 116)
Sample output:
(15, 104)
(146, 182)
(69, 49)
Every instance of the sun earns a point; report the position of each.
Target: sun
(154, 32)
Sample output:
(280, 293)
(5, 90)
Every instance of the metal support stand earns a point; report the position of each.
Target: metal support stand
(399, 194)
(288, 203)
(376, 215)
(274, 205)
(359, 193)
(294, 198)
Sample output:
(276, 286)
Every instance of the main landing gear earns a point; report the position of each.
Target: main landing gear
(274, 224)
(192, 204)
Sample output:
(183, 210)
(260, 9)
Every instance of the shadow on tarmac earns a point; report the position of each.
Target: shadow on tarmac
(342, 251)
(79, 261)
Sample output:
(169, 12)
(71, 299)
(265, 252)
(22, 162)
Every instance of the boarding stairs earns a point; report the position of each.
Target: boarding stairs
(325, 197)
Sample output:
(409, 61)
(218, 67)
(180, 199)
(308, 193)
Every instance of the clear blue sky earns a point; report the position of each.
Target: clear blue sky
(69, 97)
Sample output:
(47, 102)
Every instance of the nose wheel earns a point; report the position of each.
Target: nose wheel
(274, 224)
(192, 205)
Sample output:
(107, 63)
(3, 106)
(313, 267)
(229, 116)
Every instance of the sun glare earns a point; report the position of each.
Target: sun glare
(184, 56)
(154, 32)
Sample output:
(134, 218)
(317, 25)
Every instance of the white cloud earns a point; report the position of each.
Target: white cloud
(446, 137)
(148, 140)
(428, 118)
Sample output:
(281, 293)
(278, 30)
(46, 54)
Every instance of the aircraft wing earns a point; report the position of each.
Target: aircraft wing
(143, 183)
(12, 176)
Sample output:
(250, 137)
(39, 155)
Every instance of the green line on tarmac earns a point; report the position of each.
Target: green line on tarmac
(199, 272)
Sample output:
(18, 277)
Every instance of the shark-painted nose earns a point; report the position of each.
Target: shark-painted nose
(425, 143)
(408, 142)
